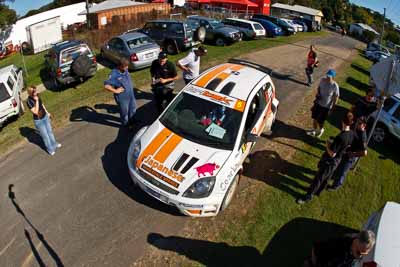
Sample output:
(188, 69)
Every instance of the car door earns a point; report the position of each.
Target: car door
(110, 51)
(254, 121)
(395, 122)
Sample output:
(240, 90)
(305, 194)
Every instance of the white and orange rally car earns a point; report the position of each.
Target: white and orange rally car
(191, 157)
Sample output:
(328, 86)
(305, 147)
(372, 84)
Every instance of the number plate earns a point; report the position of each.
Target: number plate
(148, 55)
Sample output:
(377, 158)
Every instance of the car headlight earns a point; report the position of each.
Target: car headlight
(290, 29)
(135, 147)
(201, 188)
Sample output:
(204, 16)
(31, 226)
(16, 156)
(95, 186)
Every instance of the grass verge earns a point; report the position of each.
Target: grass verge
(62, 103)
(282, 230)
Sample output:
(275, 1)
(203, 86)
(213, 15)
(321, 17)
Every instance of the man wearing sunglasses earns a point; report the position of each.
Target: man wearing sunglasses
(341, 252)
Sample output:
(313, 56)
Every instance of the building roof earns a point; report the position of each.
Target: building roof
(366, 27)
(112, 4)
(300, 9)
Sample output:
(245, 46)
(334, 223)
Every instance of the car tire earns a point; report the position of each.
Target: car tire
(220, 41)
(81, 65)
(200, 34)
(230, 192)
(171, 48)
(26, 48)
(379, 133)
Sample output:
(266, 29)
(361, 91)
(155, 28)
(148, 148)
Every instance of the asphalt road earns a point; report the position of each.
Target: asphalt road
(79, 208)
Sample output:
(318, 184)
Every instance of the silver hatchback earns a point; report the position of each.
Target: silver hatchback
(140, 49)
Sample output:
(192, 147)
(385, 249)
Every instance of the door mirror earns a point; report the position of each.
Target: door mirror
(252, 138)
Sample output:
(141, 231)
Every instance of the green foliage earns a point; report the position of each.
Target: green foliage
(393, 36)
(8, 16)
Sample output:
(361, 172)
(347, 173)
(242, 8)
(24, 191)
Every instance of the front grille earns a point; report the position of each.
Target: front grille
(157, 183)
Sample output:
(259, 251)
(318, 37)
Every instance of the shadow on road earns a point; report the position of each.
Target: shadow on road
(282, 129)
(32, 136)
(115, 165)
(278, 172)
(288, 247)
(53, 254)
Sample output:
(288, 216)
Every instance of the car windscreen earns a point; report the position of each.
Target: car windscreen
(72, 53)
(258, 26)
(202, 121)
(216, 23)
(137, 42)
(4, 95)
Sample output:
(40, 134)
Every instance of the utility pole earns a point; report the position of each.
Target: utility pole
(383, 26)
(87, 14)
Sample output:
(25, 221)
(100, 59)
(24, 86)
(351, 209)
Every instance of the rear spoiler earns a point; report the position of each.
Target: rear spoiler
(251, 64)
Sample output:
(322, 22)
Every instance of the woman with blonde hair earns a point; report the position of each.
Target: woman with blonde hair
(41, 119)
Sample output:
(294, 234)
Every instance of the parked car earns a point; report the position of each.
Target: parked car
(312, 26)
(70, 61)
(192, 155)
(140, 49)
(389, 120)
(376, 47)
(286, 28)
(174, 35)
(376, 56)
(302, 23)
(334, 28)
(385, 224)
(11, 85)
(271, 29)
(297, 27)
(249, 29)
(216, 31)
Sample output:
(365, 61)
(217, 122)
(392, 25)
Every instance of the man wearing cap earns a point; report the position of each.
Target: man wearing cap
(163, 75)
(325, 100)
(190, 65)
(120, 83)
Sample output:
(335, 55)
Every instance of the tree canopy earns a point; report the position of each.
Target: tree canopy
(8, 16)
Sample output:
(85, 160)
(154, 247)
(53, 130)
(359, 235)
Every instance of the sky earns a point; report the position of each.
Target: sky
(393, 6)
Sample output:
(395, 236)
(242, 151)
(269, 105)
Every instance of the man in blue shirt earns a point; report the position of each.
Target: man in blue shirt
(120, 83)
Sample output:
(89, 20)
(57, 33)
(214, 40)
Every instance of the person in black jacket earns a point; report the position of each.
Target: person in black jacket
(342, 251)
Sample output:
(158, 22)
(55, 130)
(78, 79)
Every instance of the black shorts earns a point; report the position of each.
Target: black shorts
(319, 113)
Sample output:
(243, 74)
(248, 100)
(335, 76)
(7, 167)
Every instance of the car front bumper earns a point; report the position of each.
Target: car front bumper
(204, 207)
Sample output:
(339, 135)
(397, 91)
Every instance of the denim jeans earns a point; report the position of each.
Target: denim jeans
(44, 127)
(342, 170)
(127, 108)
(309, 73)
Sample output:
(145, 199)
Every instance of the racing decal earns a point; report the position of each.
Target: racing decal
(154, 165)
(240, 105)
(180, 162)
(167, 148)
(223, 99)
(160, 176)
(206, 168)
(154, 145)
(189, 165)
(207, 77)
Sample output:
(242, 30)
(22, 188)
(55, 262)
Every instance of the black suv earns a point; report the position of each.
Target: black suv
(216, 31)
(173, 35)
(70, 61)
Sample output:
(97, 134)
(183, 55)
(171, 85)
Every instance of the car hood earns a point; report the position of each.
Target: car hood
(175, 161)
(226, 30)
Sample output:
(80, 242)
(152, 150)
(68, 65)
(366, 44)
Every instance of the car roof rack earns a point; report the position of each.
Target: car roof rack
(251, 64)
(132, 30)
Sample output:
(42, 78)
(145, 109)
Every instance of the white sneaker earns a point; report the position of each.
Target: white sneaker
(52, 153)
(311, 132)
(58, 145)
(321, 132)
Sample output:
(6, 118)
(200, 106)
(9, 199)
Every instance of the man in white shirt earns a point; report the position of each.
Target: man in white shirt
(190, 65)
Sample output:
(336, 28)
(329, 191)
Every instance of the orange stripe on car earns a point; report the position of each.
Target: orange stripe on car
(207, 77)
(169, 146)
(154, 145)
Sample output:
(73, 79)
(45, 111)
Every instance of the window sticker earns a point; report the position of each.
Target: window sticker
(216, 131)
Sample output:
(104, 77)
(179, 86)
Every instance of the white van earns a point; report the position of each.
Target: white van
(249, 29)
(11, 84)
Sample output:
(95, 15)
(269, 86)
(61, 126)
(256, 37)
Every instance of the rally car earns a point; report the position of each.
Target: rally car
(191, 157)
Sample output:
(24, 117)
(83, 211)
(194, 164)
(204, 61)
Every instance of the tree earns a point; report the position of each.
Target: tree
(393, 36)
(8, 15)
(328, 13)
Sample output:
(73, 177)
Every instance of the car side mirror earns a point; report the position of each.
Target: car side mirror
(252, 138)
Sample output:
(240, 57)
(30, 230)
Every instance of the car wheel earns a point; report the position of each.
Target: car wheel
(230, 193)
(220, 41)
(379, 133)
(171, 48)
